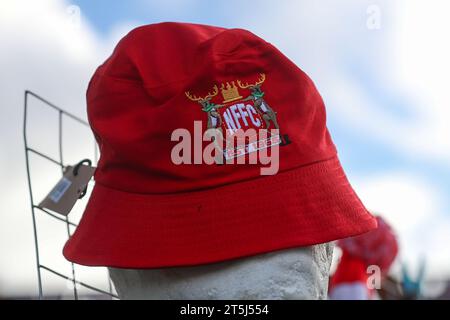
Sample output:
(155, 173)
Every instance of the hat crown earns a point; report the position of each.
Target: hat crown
(147, 89)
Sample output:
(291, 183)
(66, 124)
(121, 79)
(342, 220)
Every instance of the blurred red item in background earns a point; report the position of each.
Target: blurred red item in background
(377, 247)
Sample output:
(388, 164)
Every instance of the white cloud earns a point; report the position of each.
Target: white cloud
(422, 66)
(49, 55)
(415, 209)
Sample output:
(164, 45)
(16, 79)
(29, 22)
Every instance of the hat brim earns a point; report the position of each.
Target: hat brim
(308, 205)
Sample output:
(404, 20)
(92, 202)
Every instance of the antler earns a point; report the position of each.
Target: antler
(261, 79)
(202, 99)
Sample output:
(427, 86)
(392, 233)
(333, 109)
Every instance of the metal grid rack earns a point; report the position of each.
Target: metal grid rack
(62, 114)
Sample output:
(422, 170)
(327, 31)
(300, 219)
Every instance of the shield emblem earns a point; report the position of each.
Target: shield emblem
(248, 124)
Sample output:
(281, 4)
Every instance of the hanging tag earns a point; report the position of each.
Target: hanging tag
(71, 187)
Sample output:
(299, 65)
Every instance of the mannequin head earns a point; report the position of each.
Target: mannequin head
(297, 273)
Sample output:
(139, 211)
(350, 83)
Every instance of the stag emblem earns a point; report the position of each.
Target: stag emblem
(214, 117)
(267, 113)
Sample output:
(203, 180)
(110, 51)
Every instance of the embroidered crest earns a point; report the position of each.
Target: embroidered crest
(236, 112)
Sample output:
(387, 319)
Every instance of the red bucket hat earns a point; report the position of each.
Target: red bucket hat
(146, 211)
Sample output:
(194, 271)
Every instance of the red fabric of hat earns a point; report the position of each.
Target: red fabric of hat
(146, 211)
